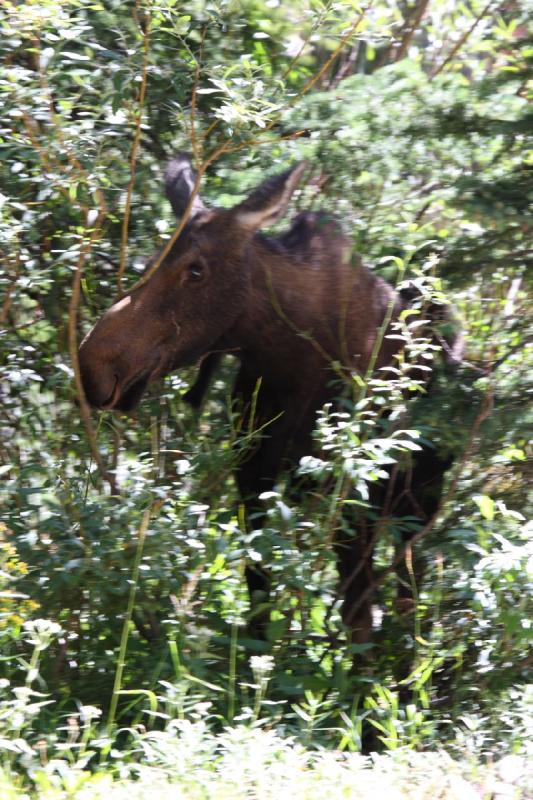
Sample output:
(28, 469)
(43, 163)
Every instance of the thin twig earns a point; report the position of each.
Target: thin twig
(135, 145)
(459, 44)
(512, 350)
(304, 44)
(85, 411)
(227, 148)
(194, 141)
(345, 39)
(185, 218)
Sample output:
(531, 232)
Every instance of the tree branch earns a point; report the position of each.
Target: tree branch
(460, 43)
(410, 28)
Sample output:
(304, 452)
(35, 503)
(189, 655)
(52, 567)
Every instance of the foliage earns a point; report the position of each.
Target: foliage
(246, 759)
(414, 120)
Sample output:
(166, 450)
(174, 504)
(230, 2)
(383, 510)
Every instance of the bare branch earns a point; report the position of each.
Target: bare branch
(135, 145)
(459, 44)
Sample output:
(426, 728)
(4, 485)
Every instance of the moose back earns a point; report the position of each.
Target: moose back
(290, 308)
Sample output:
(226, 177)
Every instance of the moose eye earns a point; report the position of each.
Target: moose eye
(196, 271)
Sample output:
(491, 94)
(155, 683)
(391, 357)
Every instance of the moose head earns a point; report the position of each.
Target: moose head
(191, 301)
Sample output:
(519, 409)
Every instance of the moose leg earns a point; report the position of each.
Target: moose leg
(265, 426)
(256, 474)
(258, 583)
(417, 493)
(282, 436)
(354, 551)
(195, 395)
(257, 576)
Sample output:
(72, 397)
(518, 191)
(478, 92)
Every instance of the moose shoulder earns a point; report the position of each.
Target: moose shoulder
(295, 311)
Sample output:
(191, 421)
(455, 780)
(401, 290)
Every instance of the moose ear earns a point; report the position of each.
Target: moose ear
(268, 202)
(180, 180)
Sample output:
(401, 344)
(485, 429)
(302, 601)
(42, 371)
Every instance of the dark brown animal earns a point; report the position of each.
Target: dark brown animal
(290, 308)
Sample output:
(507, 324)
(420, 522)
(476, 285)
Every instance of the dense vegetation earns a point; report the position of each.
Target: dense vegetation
(123, 610)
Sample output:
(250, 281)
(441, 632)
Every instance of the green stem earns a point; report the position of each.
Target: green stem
(257, 703)
(414, 592)
(232, 678)
(141, 536)
(32, 669)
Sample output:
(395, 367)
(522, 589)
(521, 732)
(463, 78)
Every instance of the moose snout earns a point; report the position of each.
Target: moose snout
(99, 379)
(113, 376)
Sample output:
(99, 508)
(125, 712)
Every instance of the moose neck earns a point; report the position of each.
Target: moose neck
(332, 311)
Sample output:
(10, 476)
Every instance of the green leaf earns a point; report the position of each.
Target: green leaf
(486, 506)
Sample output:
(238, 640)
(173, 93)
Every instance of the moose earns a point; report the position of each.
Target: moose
(295, 311)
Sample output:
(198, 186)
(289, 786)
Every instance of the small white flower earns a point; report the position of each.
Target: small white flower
(41, 632)
(88, 713)
(261, 666)
(22, 693)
